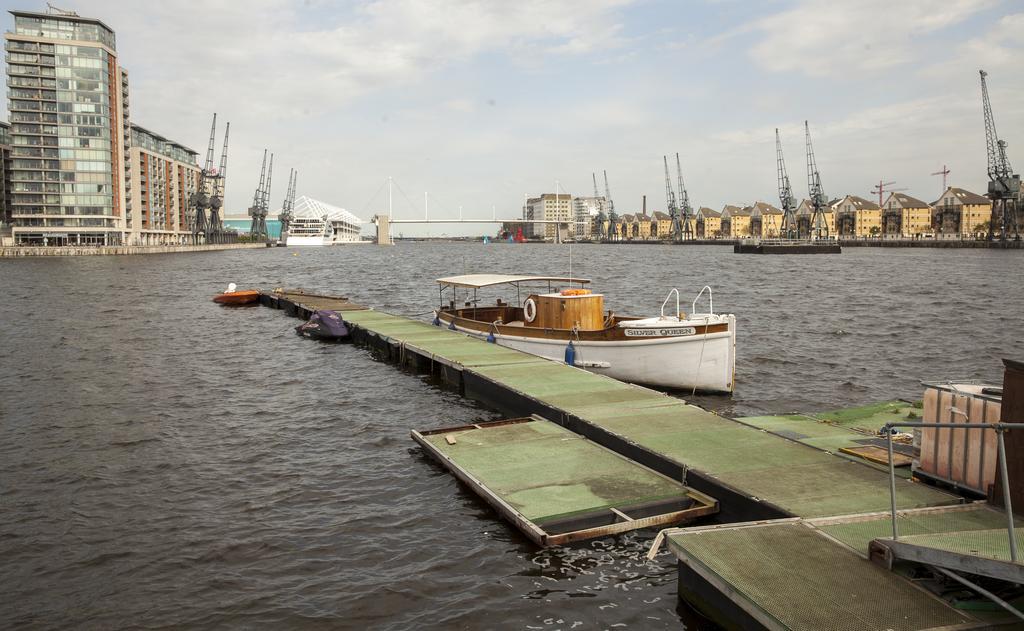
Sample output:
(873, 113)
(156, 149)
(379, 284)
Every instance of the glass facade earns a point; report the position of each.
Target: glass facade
(65, 131)
(154, 143)
(63, 27)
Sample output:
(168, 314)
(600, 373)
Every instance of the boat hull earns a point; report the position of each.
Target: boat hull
(704, 362)
(306, 241)
(244, 297)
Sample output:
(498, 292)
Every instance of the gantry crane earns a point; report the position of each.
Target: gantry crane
(1004, 184)
(257, 229)
(265, 203)
(819, 226)
(685, 209)
(201, 198)
(670, 200)
(613, 218)
(287, 208)
(789, 228)
(217, 190)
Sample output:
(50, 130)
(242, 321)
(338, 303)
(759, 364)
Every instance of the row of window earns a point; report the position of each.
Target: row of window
(41, 111)
(83, 119)
(66, 176)
(33, 106)
(81, 51)
(77, 73)
(85, 166)
(37, 187)
(29, 46)
(31, 71)
(24, 93)
(32, 82)
(24, 57)
(65, 200)
(80, 222)
(33, 117)
(80, 62)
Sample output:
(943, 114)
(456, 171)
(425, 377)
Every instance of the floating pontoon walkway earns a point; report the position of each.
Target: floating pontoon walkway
(754, 474)
(557, 486)
(764, 475)
(835, 572)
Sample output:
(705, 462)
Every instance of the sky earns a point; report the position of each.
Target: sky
(479, 103)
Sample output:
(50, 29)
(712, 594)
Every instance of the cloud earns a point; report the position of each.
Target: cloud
(821, 38)
(1000, 48)
(282, 71)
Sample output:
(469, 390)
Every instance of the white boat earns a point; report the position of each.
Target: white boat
(695, 351)
(316, 223)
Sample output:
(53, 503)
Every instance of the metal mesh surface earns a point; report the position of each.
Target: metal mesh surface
(804, 581)
(859, 532)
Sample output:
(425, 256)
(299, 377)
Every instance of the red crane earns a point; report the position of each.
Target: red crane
(944, 172)
(881, 188)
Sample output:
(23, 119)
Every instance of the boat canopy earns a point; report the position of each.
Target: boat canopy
(475, 281)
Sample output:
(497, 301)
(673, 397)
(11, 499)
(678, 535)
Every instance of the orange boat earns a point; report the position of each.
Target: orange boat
(233, 297)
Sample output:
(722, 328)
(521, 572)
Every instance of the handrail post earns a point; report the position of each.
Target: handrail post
(711, 300)
(892, 483)
(1007, 504)
(669, 297)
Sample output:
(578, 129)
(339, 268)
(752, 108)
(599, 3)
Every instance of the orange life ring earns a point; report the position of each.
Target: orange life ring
(575, 292)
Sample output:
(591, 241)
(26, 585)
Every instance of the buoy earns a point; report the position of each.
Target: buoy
(570, 354)
(451, 325)
(437, 320)
(491, 338)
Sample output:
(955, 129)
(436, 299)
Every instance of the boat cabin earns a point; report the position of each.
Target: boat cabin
(571, 308)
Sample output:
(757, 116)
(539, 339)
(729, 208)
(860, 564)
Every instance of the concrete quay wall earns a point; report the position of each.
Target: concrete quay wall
(20, 251)
(931, 243)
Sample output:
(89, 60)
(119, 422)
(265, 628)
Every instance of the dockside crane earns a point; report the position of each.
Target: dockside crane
(613, 218)
(256, 210)
(217, 197)
(685, 209)
(819, 226)
(601, 217)
(1004, 185)
(287, 208)
(201, 198)
(789, 228)
(670, 200)
(265, 204)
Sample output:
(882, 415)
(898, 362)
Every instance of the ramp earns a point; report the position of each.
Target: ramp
(784, 574)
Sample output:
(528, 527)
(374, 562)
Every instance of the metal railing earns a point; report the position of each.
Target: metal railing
(999, 429)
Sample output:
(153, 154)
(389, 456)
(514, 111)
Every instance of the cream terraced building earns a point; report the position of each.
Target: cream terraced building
(708, 223)
(959, 212)
(857, 217)
(905, 216)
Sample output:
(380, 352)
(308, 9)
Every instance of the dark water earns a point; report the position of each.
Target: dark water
(168, 463)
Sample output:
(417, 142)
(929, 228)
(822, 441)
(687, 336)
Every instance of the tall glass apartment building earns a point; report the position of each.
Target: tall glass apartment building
(69, 127)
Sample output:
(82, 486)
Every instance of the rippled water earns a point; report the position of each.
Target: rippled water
(165, 462)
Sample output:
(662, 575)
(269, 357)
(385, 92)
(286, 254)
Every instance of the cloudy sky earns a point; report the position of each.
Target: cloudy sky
(480, 102)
